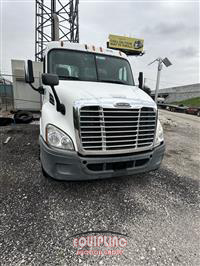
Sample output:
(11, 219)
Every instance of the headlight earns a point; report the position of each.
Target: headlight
(159, 134)
(58, 139)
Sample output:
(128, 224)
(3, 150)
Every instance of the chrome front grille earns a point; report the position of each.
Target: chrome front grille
(113, 129)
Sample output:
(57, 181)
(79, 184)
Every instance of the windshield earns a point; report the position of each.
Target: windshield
(84, 66)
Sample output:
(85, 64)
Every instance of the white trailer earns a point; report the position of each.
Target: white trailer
(23, 97)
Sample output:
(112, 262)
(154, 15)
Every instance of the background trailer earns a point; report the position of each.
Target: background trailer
(25, 98)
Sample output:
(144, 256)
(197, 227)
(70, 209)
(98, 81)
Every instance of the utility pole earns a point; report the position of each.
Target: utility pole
(158, 78)
(161, 61)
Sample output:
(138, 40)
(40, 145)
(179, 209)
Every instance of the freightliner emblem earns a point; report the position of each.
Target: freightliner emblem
(122, 105)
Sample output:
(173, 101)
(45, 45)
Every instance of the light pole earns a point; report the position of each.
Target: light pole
(161, 61)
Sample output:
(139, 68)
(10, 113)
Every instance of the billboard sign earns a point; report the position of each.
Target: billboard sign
(126, 44)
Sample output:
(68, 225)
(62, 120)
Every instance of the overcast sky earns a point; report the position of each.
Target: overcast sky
(169, 28)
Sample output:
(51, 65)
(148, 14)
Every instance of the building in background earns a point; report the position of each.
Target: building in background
(179, 93)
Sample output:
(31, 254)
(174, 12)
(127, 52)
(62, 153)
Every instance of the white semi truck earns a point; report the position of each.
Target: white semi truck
(95, 123)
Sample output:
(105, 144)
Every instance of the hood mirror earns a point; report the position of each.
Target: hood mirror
(50, 79)
(140, 79)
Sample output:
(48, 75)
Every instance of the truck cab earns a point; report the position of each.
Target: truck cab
(95, 122)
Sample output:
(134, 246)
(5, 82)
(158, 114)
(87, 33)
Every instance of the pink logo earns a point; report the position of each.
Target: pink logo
(97, 242)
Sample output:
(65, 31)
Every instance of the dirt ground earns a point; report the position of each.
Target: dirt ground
(182, 135)
(157, 212)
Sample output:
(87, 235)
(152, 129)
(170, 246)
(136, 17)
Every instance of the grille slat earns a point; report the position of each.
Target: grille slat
(113, 137)
(114, 146)
(112, 122)
(110, 116)
(139, 140)
(106, 129)
(110, 142)
(147, 143)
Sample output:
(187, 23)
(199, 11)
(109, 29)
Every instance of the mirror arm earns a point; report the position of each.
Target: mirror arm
(40, 89)
(32, 86)
(59, 106)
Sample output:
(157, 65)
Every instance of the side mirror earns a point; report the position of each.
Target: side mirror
(147, 90)
(50, 79)
(53, 80)
(29, 74)
(140, 79)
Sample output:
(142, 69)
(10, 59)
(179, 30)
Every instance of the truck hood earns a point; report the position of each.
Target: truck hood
(71, 92)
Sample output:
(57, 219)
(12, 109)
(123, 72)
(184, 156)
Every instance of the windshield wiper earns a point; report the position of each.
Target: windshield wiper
(73, 78)
(113, 81)
(69, 77)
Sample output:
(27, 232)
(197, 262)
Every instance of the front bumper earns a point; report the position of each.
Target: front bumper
(68, 165)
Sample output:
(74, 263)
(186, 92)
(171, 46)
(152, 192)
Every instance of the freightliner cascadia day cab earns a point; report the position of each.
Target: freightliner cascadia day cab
(95, 123)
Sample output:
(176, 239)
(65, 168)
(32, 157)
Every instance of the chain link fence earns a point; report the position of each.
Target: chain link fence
(6, 93)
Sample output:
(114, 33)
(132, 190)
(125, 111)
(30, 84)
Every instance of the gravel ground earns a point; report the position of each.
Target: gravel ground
(157, 212)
